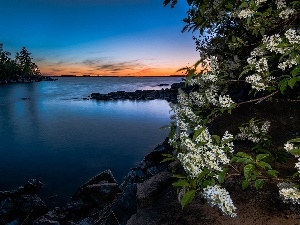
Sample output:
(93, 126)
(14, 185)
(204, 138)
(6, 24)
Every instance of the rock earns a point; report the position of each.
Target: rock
(22, 208)
(100, 194)
(52, 217)
(97, 193)
(135, 175)
(149, 190)
(124, 206)
(166, 94)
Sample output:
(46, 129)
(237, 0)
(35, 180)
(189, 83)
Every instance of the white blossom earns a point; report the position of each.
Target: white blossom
(272, 43)
(251, 60)
(258, 51)
(280, 4)
(217, 196)
(197, 98)
(288, 146)
(287, 64)
(253, 132)
(292, 36)
(256, 82)
(289, 193)
(261, 65)
(265, 127)
(225, 101)
(258, 2)
(245, 13)
(286, 13)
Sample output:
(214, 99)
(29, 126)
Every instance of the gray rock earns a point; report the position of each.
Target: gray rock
(149, 191)
(124, 206)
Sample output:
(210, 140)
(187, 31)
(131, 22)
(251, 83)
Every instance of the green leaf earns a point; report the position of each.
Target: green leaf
(295, 151)
(181, 183)
(245, 184)
(221, 176)
(244, 155)
(248, 170)
(187, 198)
(216, 138)
(244, 5)
(244, 160)
(233, 38)
(179, 176)
(273, 173)
(297, 140)
(295, 71)
(261, 156)
(202, 174)
(264, 165)
(262, 31)
(197, 133)
(229, 6)
(292, 81)
(282, 85)
(259, 183)
(167, 160)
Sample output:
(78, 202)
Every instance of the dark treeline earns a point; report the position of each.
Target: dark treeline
(18, 69)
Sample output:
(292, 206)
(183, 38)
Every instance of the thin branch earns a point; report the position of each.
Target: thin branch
(235, 169)
(258, 100)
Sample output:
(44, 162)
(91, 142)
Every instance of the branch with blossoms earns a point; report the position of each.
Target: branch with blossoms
(257, 42)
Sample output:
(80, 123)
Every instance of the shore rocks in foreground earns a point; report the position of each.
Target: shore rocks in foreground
(101, 200)
(21, 206)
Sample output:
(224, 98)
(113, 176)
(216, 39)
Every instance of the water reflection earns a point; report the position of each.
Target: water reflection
(65, 142)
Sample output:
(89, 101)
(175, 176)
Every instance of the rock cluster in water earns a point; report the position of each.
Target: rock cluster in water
(167, 94)
(101, 200)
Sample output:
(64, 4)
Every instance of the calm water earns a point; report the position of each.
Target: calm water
(62, 140)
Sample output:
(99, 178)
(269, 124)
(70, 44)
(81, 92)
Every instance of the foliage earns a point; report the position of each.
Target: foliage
(242, 44)
(21, 67)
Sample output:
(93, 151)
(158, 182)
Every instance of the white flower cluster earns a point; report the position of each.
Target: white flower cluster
(280, 4)
(256, 82)
(287, 64)
(253, 133)
(245, 13)
(258, 2)
(290, 146)
(292, 36)
(225, 101)
(261, 79)
(289, 193)
(272, 43)
(286, 13)
(217, 196)
(198, 98)
(204, 153)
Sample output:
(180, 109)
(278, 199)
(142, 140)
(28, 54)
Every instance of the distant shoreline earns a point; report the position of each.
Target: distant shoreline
(170, 76)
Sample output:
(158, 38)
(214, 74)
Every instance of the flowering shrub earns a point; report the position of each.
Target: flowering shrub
(255, 43)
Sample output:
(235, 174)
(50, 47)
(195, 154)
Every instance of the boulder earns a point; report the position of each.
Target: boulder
(124, 206)
(149, 191)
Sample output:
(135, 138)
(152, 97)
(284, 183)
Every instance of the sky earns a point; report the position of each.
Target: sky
(99, 37)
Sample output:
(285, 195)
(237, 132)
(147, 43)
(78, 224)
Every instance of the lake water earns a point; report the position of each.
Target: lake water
(62, 140)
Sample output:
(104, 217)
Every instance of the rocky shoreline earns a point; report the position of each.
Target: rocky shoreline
(101, 200)
(29, 80)
(167, 94)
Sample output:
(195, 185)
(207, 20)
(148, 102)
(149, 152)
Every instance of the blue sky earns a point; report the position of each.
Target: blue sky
(99, 37)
